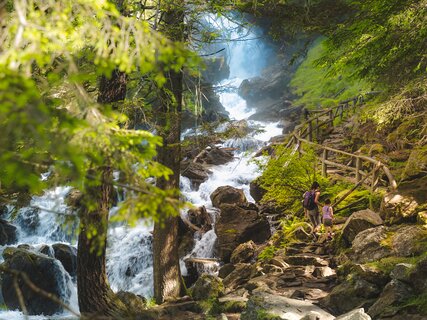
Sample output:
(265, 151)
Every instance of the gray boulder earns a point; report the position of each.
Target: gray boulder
(227, 194)
(206, 287)
(256, 191)
(238, 224)
(45, 272)
(67, 255)
(394, 294)
(243, 253)
(357, 314)
(8, 233)
(367, 246)
(358, 222)
(409, 241)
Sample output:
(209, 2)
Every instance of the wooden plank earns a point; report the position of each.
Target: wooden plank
(358, 168)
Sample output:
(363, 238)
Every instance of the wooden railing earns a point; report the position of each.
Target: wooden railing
(358, 168)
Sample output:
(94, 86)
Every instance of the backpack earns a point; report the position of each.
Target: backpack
(308, 202)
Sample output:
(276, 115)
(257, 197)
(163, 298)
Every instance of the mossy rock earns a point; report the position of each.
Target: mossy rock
(207, 287)
(416, 165)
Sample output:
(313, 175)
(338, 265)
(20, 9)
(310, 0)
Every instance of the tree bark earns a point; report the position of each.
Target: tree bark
(167, 275)
(94, 293)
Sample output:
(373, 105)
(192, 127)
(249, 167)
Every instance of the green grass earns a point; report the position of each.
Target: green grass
(316, 86)
(419, 302)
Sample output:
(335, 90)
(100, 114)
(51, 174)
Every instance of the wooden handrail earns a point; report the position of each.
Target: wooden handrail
(307, 129)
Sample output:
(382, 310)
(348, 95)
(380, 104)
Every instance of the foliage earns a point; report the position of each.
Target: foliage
(316, 86)
(287, 175)
(52, 52)
(267, 253)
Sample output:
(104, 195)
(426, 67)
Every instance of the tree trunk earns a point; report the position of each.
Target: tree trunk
(167, 274)
(94, 293)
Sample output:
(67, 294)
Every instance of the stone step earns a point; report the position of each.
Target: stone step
(305, 260)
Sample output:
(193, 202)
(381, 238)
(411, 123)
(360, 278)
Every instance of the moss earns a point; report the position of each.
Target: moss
(230, 231)
(267, 254)
(264, 315)
(233, 306)
(387, 264)
(418, 301)
(210, 306)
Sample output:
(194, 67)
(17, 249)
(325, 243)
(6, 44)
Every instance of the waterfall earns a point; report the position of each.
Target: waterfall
(129, 250)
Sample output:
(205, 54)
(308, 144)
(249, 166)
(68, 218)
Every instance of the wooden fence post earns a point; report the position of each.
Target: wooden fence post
(358, 168)
(317, 129)
(310, 131)
(341, 111)
(375, 178)
(331, 117)
(324, 165)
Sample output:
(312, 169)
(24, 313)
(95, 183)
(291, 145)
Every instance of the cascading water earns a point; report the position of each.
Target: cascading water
(129, 252)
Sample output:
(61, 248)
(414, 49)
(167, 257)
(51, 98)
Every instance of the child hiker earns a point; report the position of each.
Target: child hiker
(328, 215)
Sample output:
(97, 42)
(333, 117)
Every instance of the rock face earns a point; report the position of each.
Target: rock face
(276, 307)
(46, 273)
(367, 245)
(227, 194)
(243, 253)
(68, 257)
(359, 221)
(207, 286)
(238, 224)
(8, 234)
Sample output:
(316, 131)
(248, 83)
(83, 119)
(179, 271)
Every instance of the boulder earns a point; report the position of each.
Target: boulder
(227, 194)
(241, 273)
(238, 224)
(68, 257)
(206, 287)
(4, 210)
(359, 221)
(214, 156)
(225, 270)
(394, 293)
(402, 271)
(256, 191)
(196, 172)
(368, 247)
(409, 241)
(8, 233)
(418, 276)
(344, 298)
(357, 314)
(269, 306)
(397, 208)
(134, 303)
(243, 253)
(45, 272)
(200, 218)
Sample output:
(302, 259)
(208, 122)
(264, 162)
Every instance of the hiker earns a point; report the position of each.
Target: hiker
(328, 216)
(311, 203)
